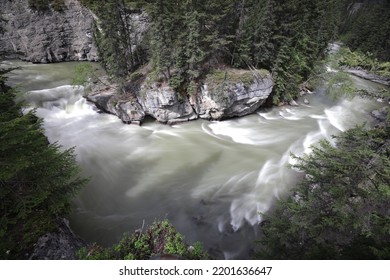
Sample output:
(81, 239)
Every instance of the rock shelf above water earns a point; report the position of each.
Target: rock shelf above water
(238, 93)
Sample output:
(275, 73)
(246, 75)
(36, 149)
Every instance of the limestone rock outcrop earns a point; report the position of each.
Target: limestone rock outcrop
(237, 95)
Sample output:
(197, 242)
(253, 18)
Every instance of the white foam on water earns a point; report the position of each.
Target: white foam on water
(206, 128)
(269, 116)
(289, 116)
(334, 116)
(241, 213)
(331, 70)
(169, 132)
(318, 117)
(237, 134)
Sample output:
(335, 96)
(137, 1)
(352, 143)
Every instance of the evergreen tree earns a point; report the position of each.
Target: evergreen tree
(187, 38)
(113, 37)
(340, 209)
(368, 28)
(194, 48)
(37, 179)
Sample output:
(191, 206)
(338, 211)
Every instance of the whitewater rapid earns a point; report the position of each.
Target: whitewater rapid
(212, 180)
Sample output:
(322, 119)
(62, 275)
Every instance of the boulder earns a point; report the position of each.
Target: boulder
(130, 112)
(161, 102)
(380, 114)
(364, 74)
(238, 93)
(61, 244)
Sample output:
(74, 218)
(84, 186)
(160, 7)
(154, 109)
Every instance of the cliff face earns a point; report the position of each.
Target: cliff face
(49, 36)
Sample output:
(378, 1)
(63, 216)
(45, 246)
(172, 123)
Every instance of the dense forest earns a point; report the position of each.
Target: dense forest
(187, 39)
(339, 210)
(367, 29)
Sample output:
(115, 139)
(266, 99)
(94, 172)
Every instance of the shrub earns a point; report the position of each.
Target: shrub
(159, 239)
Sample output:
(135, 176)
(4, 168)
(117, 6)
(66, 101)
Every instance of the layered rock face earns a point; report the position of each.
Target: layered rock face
(216, 100)
(232, 98)
(49, 36)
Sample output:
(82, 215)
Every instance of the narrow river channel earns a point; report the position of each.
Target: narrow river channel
(212, 180)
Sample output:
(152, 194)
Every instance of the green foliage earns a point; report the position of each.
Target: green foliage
(39, 5)
(219, 81)
(37, 179)
(357, 59)
(136, 76)
(340, 208)
(160, 238)
(187, 39)
(83, 72)
(366, 61)
(113, 34)
(286, 37)
(368, 29)
(44, 5)
(58, 5)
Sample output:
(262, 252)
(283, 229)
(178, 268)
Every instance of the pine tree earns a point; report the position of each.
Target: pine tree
(37, 179)
(194, 49)
(340, 208)
(368, 29)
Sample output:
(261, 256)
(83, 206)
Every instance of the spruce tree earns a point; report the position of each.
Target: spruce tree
(340, 208)
(37, 179)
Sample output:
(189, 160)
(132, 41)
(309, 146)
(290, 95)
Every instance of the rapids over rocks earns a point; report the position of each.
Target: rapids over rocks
(212, 180)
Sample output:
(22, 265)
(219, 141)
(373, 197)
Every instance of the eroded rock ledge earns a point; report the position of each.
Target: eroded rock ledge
(224, 94)
(364, 74)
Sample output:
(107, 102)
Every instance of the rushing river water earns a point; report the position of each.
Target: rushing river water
(210, 179)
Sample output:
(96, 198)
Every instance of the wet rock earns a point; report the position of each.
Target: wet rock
(293, 103)
(49, 36)
(164, 104)
(130, 112)
(161, 102)
(361, 73)
(380, 114)
(231, 97)
(59, 245)
(305, 101)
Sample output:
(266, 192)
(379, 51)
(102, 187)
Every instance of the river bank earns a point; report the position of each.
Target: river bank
(367, 75)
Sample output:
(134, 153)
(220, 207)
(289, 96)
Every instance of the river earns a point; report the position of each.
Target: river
(212, 180)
